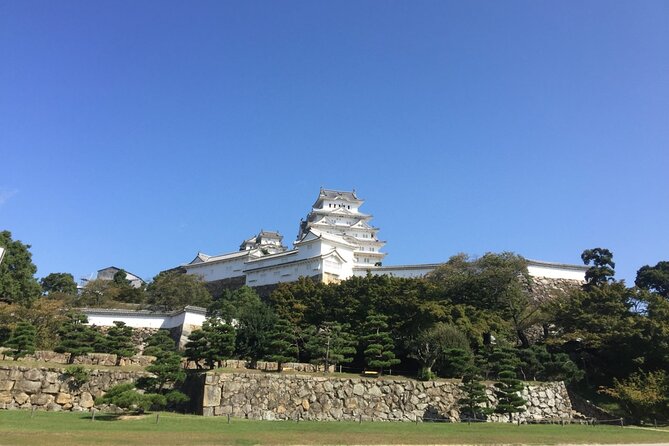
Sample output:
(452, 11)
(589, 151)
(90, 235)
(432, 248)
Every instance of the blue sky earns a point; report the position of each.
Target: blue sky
(136, 134)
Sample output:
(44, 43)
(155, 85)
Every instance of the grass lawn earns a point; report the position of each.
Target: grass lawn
(67, 428)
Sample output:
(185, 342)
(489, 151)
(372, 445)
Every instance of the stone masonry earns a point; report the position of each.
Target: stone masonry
(52, 389)
(291, 397)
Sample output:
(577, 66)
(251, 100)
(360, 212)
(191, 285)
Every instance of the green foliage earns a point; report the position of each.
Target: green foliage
(507, 390)
(159, 343)
(79, 375)
(119, 341)
(59, 283)
(253, 331)
(603, 267)
(455, 362)
(645, 396)
(120, 279)
(126, 396)
(538, 364)
(497, 283)
(475, 400)
(214, 343)
(597, 324)
(168, 370)
(378, 343)
(230, 304)
(173, 290)
(654, 278)
(330, 344)
(282, 343)
(22, 341)
(17, 282)
(77, 338)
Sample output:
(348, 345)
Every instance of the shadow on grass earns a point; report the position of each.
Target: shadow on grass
(116, 416)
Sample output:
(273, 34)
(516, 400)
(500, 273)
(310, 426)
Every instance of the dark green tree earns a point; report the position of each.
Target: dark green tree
(59, 283)
(282, 343)
(507, 390)
(378, 342)
(119, 341)
(330, 344)
(173, 291)
(17, 282)
(22, 341)
(168, 370)
(455, 362)
(214, 343)
(603, 267)
(255, 324)
(654, 278)
(126, 396)
(120, 279)
(159, 343)
(77, 338)
(197, 348)
(475, 400)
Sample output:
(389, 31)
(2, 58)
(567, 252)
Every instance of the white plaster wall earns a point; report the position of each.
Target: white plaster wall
(555, 272)
(225, 269)
(146, 321)
(283, 273)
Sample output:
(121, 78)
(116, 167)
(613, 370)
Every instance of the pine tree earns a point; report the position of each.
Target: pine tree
(22, 341)
(283, 343)
(330, 344)
(221, 338)
(378, 343)
(159, 343)
(475, 402)
(119, 341)
(168, 370)
(77, 338)
(196, 347)
(455, 362)
(508, 390)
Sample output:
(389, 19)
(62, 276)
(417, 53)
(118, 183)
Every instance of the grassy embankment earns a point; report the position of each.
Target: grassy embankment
(19, 428)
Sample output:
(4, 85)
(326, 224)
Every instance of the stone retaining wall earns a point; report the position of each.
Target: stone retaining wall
(291, 397)
(104, 359)
(52, 389)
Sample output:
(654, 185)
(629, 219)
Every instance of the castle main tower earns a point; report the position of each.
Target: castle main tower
(337, 212)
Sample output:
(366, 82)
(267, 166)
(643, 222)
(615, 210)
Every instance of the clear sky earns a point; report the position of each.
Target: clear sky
(137, 133)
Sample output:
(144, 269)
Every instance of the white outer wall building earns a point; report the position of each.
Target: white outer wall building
(189, 316)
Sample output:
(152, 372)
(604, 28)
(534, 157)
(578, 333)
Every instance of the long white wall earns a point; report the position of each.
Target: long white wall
(193, 316)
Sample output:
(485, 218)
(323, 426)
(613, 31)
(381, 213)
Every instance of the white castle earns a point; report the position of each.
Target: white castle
(335, 242)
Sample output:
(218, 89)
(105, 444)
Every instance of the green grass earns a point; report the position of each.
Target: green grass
(18, 428)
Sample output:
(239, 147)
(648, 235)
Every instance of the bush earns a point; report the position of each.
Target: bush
(78, 374)
(127, 397)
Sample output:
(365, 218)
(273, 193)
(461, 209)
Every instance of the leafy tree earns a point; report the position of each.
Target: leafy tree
(643, 395)
(119, 341)
(602, 269)
(173, 291)
(282, 343)
(654, 278)
(159, 343)
(538, 364)
(253, 331)
(120, 279)
(99, 293)
(77, 338)
(475, 400)
(46, 315)
(17, 282)
(22, 341)
(378, 343)
(444, 345)
(230, 303)
(497, 283)
(126, 396)
(330, 344)
(597, 325)
(59, 283)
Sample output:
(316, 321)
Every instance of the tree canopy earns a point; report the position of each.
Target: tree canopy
(17, 271)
